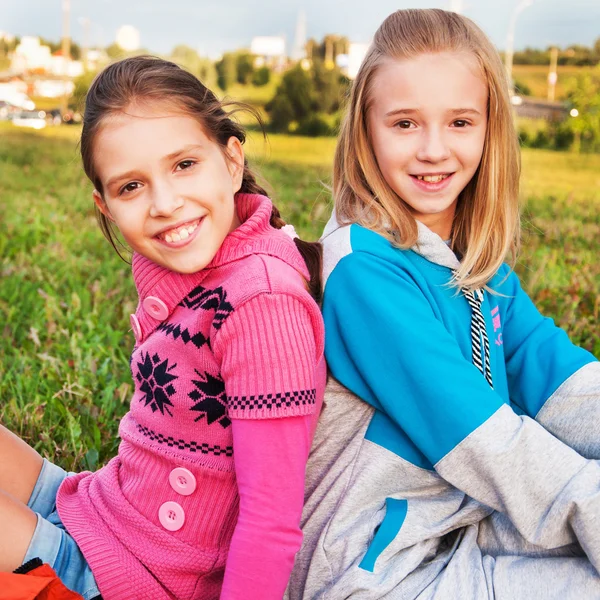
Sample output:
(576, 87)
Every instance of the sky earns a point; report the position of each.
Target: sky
(212, 27)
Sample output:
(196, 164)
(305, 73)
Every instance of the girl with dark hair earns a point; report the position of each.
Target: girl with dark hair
(205, 495)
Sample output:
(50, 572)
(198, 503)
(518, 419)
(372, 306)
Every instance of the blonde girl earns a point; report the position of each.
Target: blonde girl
(456, 456)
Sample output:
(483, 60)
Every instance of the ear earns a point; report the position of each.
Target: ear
(235, 165)
(99, 202)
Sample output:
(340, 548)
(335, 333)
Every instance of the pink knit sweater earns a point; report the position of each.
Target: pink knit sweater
(240, 340)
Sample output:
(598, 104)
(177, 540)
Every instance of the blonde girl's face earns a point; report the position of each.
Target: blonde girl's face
(167, 186)
(427, 123)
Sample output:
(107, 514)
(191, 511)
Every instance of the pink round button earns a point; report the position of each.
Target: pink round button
(135, 327)
(171, 516)
(182, 481)
(156, 308)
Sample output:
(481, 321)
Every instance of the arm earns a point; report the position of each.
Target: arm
(269, 350)
(270, 461)
(554, 381)
(385, 344)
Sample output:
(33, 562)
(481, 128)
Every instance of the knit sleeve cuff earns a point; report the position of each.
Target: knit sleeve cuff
(269, 349)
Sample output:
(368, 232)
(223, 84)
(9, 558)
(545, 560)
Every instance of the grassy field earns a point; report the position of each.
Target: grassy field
(65, 296)
(535, 77)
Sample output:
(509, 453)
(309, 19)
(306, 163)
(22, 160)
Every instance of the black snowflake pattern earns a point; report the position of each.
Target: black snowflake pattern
(198, 339)
(206, 299)
(156, 382)
(210, 399)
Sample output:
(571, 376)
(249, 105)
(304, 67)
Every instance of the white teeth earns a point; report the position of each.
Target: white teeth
(176, 235)
(432, 178)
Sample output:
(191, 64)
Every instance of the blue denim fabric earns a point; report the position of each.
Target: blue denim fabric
(51, 542)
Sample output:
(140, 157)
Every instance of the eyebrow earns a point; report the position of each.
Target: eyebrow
(169, 157)
(411, 111)
(113, 180)
(184, 150)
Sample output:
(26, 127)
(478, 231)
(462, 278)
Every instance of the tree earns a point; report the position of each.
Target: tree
(293, 99)
(261, 76)
(226, 71)
(203, 68)
(584, 95)
(244, 67)
(330, 86)
(82, 85)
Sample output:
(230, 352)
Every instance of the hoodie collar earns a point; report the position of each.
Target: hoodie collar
(429, 245)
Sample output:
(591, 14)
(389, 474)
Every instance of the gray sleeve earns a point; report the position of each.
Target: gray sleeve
(572, 413)
(549, 492)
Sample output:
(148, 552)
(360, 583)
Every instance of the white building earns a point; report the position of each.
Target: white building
(128, 38)
(31, 55)
(269, 50)
(356, 54)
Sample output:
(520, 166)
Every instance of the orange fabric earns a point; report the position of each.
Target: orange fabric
(39, 584)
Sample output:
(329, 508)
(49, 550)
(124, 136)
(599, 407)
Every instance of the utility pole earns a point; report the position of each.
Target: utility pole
(510, 41)
(85, 23)
(553, 74)
(66, 52)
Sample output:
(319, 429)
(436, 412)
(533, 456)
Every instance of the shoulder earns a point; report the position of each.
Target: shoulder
(259, 274)
(356, 247)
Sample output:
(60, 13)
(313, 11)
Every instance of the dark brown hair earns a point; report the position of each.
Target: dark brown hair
(147, 78)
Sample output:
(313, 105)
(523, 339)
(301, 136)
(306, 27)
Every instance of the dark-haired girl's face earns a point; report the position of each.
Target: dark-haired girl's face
(167, 186)
(427, 125)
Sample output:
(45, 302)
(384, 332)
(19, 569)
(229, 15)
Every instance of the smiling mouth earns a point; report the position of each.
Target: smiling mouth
(432, 178)
(179, 233)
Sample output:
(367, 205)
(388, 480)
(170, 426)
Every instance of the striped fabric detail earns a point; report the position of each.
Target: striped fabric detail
(192, 446)
(288, 399)
(479, 337)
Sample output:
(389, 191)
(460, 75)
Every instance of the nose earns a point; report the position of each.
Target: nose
(434, 147)
(165, 200)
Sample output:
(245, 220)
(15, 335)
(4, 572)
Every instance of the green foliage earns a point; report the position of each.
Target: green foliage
(521, 88)
(314, 126)
(574, 55)
(261, 76)
(203, 68)
(244, 68)
(330, 86)
(307, 93)
(584, 95)
(281, 112)
(226, 71)
(293, 98)
(82, 85)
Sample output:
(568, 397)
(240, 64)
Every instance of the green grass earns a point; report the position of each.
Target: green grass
(536, 78)
(65, 296)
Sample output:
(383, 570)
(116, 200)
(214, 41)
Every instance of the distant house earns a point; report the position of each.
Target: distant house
(30, 56)
(269, 51)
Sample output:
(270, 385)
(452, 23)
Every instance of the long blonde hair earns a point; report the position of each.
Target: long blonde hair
(486, 224)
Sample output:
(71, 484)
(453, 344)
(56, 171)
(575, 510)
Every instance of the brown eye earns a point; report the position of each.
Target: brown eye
(460, 123)
(403, 124)
(129, 187)
(185, 164)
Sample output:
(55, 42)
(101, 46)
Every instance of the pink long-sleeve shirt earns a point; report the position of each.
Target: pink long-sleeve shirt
(229, 376)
